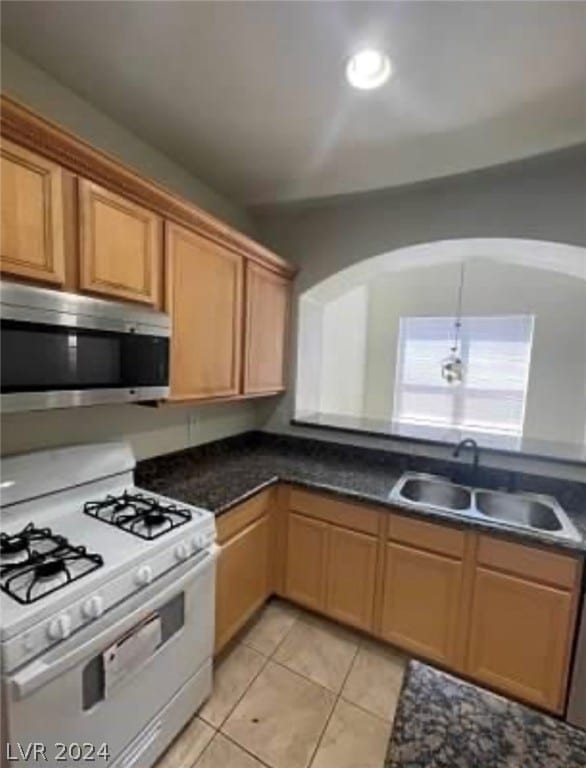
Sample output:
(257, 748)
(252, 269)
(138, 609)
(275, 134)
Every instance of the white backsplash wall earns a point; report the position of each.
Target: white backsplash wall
(151, 431)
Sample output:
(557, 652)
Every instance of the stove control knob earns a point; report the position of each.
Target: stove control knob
(144, 575)
(199, 541)
(93, 608)
(60, 628)
(182, 551)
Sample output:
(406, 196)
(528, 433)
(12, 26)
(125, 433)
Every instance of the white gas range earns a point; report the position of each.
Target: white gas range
(107, 606)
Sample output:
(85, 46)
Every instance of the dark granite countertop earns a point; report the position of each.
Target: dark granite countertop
(443, 722)
(219, 475)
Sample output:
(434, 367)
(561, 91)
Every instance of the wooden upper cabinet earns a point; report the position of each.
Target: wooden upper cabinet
(32, 233)
(120, 246)
(267, 321)
(204, 297)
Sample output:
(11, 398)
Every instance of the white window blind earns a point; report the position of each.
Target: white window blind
(496, 352)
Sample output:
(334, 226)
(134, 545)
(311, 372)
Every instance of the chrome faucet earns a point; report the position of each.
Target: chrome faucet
(475, 456)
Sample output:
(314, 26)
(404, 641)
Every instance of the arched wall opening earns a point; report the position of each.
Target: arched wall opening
(350, 349)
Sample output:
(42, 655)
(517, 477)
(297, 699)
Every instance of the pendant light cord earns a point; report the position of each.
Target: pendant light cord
(458, 323)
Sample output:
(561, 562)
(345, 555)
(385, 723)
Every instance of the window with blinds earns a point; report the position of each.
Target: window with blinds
(496, 353)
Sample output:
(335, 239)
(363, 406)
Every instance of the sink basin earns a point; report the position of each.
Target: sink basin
(519, 510)
(436, 493)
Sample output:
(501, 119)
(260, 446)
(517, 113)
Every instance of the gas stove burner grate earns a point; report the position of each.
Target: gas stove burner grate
(36, 562)
(141, 515)
(19, 548)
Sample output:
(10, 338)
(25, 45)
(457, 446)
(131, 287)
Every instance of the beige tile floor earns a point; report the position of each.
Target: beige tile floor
(294, 691)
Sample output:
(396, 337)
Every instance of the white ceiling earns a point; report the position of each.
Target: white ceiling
(251, 96)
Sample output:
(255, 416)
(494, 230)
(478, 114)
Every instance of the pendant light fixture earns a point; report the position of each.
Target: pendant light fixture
(452, 366)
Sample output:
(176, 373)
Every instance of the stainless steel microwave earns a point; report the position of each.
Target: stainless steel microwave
(62, 349)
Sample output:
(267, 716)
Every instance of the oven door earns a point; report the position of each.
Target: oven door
(64, 696)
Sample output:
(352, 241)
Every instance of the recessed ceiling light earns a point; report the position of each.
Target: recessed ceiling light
(368, 69)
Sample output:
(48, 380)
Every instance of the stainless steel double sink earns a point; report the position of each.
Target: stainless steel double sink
(521, 510)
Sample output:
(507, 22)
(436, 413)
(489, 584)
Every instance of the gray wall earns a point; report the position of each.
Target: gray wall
(41, 92)
(543, 199)
(151, 431)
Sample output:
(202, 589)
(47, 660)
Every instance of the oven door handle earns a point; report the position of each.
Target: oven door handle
(38, 673)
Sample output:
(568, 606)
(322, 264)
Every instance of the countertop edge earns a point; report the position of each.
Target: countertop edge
(440, 517)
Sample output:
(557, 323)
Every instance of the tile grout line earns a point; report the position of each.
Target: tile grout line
(366, 711)
(360, 643)
(271, 654)
(245, 749)
(303, 677)
(298, 617)
(336, 700)
(219, 729)
(360, 706)
(239, 699)
(285, 636)
(207, 746)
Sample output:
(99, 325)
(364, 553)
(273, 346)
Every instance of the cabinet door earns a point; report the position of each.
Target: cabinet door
(31, 237)
(242, 579)
(421, 601)
(267, 314)
(519, 637)
(204, 297)
(121, 246)
(351, 573)
(306, 561)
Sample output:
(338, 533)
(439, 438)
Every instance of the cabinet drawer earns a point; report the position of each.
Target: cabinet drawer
(528, 561)
(430, 536)
(233, 521)
(334, 511)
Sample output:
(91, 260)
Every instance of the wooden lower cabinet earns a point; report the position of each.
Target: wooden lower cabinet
(351, 576)
(501, 613)
(242, 579)
(519, 637)
(305, 580)
(421, 602)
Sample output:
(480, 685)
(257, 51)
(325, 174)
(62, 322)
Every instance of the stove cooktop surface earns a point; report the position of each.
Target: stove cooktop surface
(140, 514)
(94, 553)
(35, 562)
